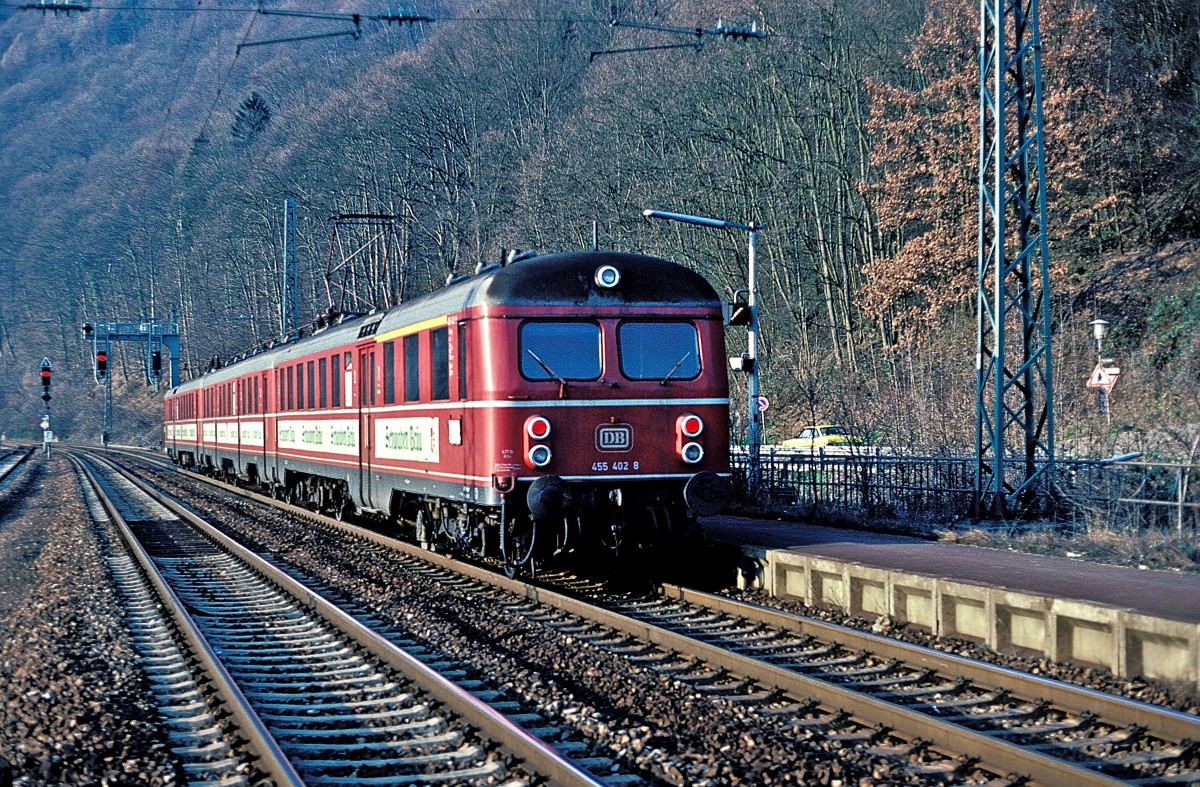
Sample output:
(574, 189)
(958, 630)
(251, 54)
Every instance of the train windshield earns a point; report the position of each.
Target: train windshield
(659, 350)
(560, 350)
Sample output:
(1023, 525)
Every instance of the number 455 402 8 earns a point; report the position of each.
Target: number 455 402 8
(615, 467)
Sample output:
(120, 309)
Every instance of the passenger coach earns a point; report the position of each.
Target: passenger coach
(581, 399)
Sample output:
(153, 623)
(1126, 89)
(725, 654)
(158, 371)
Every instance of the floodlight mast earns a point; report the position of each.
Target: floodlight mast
(703, 221)
(750, 362)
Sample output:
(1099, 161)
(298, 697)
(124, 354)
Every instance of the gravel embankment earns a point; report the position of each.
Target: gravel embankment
(73, 708)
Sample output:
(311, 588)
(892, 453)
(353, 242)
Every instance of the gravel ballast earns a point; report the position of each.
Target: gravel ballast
(73, 705)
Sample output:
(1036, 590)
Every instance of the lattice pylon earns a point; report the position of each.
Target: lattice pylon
(1014, 385)
(366, 266)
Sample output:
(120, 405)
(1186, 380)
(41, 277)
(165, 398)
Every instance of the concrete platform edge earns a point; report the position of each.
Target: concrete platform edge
(1086, 633)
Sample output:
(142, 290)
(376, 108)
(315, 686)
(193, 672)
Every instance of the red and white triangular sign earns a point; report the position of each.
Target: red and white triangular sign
(1100, 377)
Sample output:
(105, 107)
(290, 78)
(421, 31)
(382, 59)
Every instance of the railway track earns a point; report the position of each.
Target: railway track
(318, 697)
(1052, 732)
(11, 462)
(938, 716)
(808, 674)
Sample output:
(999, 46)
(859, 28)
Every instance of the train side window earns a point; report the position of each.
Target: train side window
(560, 350)
(335, 384)
(664, 350)
(439, 362)
(389, 372)
(322, 375)
(299, 386)
(312, 389)
(291, 371)
(412, 367)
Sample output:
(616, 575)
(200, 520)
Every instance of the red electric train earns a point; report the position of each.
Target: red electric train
(569, 403)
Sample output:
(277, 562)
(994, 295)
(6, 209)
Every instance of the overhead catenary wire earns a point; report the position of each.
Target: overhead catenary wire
(775, 33)
(187, 48)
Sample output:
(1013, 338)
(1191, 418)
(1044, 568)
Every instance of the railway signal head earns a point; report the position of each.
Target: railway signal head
(101, 364)
(46, 371)
(738, 311)
(156, 363)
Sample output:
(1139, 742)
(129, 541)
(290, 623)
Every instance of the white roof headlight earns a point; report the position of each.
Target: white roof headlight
(607, 277)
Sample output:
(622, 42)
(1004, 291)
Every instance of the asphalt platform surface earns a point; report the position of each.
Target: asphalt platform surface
(1163, 594)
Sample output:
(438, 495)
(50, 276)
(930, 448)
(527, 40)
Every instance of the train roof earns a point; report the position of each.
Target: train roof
(569, 278)
(563, 278)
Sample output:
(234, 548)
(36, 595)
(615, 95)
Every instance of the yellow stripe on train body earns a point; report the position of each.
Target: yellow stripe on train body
(416, 327)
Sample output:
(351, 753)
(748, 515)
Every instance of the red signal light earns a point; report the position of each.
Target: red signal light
(46, 381)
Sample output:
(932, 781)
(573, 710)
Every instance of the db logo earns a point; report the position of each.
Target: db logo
(614, 437)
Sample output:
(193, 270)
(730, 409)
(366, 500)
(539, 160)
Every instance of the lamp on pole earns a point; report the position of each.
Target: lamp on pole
(1104, 377)
(1099, 329)
(749, 362)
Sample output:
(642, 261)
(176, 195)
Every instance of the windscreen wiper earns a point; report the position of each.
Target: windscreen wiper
(546, 367)
(675, 368)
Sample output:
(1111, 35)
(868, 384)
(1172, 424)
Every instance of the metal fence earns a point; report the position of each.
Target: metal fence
(941, 489)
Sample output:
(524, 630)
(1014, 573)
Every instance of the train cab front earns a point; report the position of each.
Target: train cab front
(616, 413)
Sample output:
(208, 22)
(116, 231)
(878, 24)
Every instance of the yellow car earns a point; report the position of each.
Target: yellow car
(822, 436)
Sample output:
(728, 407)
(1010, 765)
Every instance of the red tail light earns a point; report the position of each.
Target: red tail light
(537, 427)
(537, 452)
(690, 425)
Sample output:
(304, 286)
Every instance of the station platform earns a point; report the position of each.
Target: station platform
(1134, 622)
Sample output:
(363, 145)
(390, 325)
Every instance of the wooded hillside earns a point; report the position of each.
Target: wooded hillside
(145, 157)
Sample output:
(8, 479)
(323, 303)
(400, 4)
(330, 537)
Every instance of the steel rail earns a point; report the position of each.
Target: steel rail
(991, 753)
(537, 754)
(260, 742)
(1163, 722)
(12, 467)
(995, 755)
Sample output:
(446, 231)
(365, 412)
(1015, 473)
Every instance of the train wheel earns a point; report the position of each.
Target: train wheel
(342, 507)
(421, 528)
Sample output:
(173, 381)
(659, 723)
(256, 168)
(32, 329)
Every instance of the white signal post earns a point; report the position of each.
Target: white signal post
(47, 435)
(753, 411)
